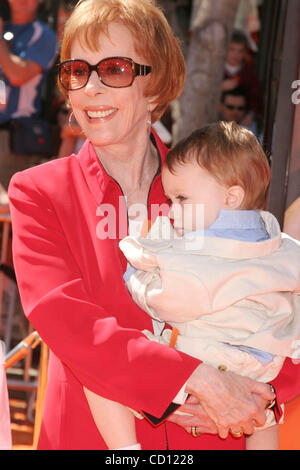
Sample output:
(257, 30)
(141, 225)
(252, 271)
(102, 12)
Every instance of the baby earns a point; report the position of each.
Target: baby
(222, 275)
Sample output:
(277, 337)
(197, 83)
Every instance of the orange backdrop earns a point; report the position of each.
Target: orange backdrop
(289, 431)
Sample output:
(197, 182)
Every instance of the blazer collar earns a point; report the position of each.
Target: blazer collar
(95, 175)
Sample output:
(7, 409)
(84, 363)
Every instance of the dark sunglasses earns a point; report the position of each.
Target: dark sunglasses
(231, 107)
(115, 72)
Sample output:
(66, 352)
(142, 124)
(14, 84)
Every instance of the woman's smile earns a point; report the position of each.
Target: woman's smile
(100, 114)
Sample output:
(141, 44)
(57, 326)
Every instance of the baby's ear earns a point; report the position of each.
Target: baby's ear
(234, 197)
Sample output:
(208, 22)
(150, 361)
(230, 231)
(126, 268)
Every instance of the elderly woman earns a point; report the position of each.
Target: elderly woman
(121, 67)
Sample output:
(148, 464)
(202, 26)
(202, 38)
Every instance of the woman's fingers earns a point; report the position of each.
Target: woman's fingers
(237, 430)
(193, 415)
(228, 399)
(234, 403)
(260, 417)
(261, 389)
(223, 432)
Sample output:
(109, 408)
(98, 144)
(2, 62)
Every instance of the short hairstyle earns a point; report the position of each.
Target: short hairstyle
(239, 37)
(153, 40)
(231, 154)
(238, 91)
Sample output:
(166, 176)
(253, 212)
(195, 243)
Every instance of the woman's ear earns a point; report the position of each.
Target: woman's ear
(234, 197)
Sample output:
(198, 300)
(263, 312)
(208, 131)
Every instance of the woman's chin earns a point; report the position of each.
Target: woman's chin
(100, 137)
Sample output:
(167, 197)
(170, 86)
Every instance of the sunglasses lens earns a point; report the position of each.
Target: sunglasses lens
(74, 74)
(116, 72)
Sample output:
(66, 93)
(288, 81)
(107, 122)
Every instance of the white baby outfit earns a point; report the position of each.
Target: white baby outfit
(222, 295)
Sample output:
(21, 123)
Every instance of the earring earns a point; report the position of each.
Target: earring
(74, 131)
(149, 122)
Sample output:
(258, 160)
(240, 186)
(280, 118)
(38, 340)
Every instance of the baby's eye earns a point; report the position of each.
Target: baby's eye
(181, 198)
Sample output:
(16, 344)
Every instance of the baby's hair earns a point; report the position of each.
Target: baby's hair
(230, 153)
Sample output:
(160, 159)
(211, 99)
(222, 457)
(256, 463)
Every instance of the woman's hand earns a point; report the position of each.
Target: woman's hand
(231, 401)
(195, 417)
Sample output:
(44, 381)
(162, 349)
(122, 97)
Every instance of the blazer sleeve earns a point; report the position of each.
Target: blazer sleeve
(287, 383)
(117, 363)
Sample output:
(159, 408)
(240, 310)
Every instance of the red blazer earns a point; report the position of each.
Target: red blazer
(72, 291)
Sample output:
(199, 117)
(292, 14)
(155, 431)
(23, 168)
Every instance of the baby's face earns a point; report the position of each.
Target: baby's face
(196, 197)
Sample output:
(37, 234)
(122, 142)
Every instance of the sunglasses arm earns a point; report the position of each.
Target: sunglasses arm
(141, 69)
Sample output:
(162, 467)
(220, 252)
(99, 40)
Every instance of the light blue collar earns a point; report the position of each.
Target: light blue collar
(244, 225)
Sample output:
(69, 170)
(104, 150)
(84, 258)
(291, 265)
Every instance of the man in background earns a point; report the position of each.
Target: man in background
(234, 107)
(27, 51)
(240, 72)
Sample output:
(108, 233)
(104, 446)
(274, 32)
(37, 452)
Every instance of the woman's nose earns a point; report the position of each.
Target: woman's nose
(94, 84)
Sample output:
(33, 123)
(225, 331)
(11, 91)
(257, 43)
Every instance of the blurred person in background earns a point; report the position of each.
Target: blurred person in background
(27, 51)
(234, 107)
(240, 72)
